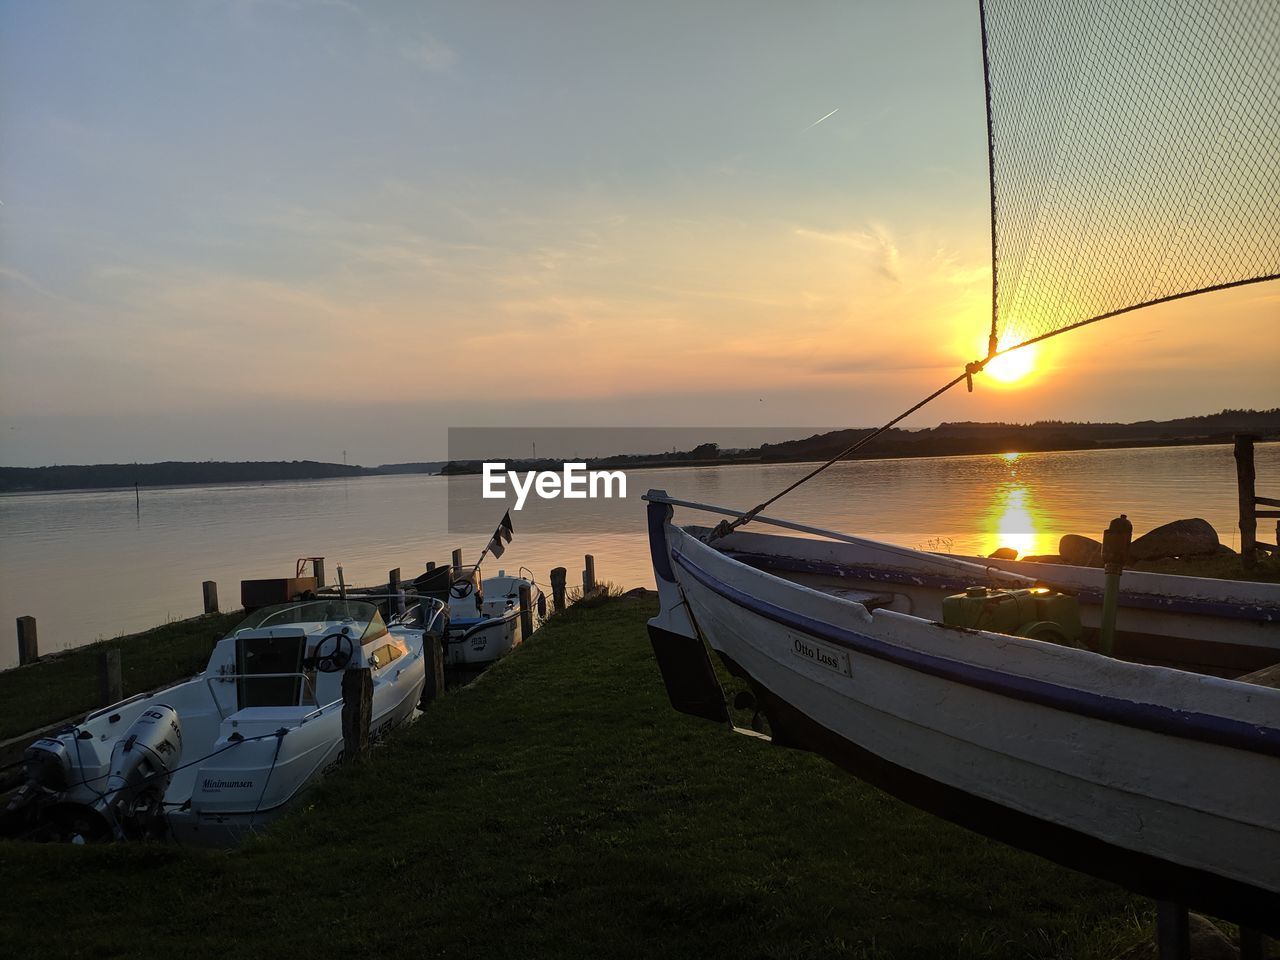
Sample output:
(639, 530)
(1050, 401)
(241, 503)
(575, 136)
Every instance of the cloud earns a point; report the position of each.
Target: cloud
(876, 240)
(428, 52)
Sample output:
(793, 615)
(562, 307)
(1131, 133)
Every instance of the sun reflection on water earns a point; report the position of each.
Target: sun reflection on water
(1013, 519)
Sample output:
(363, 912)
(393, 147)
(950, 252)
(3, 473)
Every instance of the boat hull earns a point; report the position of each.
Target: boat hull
(1141, 775)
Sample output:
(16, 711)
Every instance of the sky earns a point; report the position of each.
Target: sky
(281, 229)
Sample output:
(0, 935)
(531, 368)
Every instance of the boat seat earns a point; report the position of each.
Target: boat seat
(865, 597)
(1266, 677)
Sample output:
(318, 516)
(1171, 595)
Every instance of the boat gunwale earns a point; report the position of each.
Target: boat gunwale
(1152, 717)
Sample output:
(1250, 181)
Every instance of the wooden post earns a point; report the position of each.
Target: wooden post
(395, 602)
(1173, 931)
(357, 711)
(433, 651)
(558, 577)
(526, 611)
(210, 598)
(317, 568)
(589, 576)
(110, 681)
(431, 565)
(28, 646)
(542, 605)
(1245, 478)
(457, 559)
(1253, 945)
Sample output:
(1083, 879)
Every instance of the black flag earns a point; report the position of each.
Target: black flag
(501, 536)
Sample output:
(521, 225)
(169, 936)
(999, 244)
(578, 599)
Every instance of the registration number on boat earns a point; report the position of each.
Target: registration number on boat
(819, 653)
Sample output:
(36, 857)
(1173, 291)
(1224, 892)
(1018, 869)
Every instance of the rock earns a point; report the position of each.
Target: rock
(1042, 558)
(1225, 551)
(1182, 538)
(1003, 553)
(1208, 942)
(1080, 551)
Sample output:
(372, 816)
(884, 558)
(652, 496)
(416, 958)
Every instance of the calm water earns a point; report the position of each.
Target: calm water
(86, 566)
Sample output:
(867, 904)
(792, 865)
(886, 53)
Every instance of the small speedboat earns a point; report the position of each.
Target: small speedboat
(223, 753)
(484, 617)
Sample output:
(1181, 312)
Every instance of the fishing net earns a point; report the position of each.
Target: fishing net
(1135, 154)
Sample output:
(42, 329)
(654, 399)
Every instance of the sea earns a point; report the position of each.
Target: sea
(95, 564)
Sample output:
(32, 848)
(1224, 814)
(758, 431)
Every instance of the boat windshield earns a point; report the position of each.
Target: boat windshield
(358, 613)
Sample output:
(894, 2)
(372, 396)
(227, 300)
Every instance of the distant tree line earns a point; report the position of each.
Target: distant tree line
(946, 439)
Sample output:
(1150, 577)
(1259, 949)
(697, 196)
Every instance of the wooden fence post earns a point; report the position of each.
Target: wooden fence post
(457, 559)
(1245, 478)
(558, 577)
(110, 681)
(357, 711)
(395, 601)
(28, 645)
(433, 652)
(210, 596)
(589, 576)
(1173, 931)
(526, 611)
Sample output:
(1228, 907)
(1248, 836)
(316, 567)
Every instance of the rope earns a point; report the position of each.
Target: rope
(725, 527)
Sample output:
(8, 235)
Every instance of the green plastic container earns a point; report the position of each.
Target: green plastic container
(1034, 612)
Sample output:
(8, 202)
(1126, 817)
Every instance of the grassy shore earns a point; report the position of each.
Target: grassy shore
(66, 683)
(559, 807)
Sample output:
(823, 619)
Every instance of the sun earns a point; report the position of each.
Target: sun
(1012, 367)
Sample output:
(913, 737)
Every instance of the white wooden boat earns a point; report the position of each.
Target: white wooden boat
(214, 757)
(1158, 776)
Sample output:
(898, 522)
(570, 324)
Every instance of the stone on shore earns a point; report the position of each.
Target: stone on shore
(1003, 553)
(1181, 538)
(1080, 551)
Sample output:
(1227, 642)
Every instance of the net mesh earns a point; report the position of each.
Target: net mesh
(1135, 154)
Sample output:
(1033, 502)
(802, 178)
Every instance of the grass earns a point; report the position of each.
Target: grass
(66, 683)
(1225, 567)
(558, 807)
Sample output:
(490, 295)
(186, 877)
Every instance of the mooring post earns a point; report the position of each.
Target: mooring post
(395, 603)
(110, 677)
(1245, 480)
(558, 578)
(457, 559)
(1173, 931)
(526, 611)
(317, 568)
(28, 646)
(433, 651)
(210, 588)
(1253, 945)
(589, 575)
(357, 711)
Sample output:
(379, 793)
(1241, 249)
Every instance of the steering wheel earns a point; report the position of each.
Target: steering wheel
(344, 648)
(461, 589)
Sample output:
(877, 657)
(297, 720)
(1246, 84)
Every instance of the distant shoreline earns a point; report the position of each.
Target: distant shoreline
(608, 462)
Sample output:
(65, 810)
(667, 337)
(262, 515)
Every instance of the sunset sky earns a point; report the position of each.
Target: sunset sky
(278, 229)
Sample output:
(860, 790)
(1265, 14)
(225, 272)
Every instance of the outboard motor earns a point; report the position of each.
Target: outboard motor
(142, 764)
(47, 764)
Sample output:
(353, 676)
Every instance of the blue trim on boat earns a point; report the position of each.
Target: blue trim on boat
(476, 624)
(1145, 601)
(658, 515)
(1206, 728)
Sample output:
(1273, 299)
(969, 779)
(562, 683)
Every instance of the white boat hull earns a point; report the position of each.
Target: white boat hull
(1150, 776)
